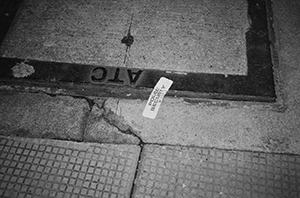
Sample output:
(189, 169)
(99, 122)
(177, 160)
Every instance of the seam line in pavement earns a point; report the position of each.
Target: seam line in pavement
(135, 178)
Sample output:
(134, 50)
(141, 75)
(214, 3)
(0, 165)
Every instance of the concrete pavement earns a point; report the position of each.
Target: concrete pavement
(222, 124)
(189, 168)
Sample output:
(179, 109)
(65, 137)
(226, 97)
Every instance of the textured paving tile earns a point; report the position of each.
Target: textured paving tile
(195, 172)
(50, 168)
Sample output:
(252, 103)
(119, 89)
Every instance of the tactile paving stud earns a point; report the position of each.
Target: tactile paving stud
(52, 168)
(167, 171)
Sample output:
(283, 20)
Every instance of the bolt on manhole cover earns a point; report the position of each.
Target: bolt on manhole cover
(217, 49)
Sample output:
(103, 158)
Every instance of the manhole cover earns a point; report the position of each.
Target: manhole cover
(217, 49)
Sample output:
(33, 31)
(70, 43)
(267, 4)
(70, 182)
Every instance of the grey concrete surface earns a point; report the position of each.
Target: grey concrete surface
(176, 35)
(231, 125)
(40, 115)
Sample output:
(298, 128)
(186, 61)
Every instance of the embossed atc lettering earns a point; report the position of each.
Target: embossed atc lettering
(117, 76)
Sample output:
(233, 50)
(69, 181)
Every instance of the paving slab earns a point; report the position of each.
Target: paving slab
(52, 168)
(40, 115)
(174, 171)
(187, 36)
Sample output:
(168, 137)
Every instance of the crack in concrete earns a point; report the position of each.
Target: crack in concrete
(113, 119)
(138, 168)
(109, 116)
(86, 116)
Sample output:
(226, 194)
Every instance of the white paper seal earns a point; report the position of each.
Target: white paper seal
(156, 97)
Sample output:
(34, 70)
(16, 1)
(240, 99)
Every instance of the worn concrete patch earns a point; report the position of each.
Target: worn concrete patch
(40, 115)
(99, 130)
